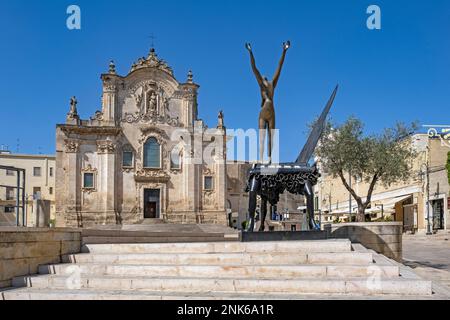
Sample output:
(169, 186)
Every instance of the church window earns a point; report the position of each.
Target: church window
(175, 160)
(127, 159)
(152, 154)
(208, 183)
(88, 180)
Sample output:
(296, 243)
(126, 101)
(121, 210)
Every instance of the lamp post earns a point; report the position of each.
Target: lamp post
(427, 174)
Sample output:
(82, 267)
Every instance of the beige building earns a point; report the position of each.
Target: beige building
(145, 157)
(40, 184)
(404, 201)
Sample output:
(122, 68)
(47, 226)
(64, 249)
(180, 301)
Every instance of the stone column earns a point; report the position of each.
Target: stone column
(73, 172)
(106, 180)
(109, 101)
(221, 171)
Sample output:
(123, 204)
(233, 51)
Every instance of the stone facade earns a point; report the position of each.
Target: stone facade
(145, 156)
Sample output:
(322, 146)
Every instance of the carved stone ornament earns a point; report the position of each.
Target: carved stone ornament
(208, 172)
(154, 175)
(89, 168)
(97, 116)
(151, 118)
(152, 103)
(88, 190)
(106, 147)
(71, 146)
(152, 61)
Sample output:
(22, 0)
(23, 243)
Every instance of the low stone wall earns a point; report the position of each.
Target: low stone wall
(382, 237)
(22, 250)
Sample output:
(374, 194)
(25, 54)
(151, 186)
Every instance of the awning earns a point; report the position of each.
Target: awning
(388, 206)
(390, 203)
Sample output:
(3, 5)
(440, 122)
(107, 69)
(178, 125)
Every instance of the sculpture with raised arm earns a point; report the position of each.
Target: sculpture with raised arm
(267, 114)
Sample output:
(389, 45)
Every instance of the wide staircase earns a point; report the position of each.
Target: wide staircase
(219, 270)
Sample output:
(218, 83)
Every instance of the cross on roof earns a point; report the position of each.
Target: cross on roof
(153, 40)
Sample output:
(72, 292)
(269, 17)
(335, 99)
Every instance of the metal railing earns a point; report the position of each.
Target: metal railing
(20, 206)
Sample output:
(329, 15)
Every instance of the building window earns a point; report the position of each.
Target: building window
(9, 193)
(152, 154)
(9, 172)
(88, 180)
(50, 190)
(51, 172)
(9, 209)
(127, 159)
(175, 160)
(37, 193)
(37, 171)
(208, 183)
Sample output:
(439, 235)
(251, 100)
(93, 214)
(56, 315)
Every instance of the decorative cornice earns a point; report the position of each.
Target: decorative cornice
(102, 131)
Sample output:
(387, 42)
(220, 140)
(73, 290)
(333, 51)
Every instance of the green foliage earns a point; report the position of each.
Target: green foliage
(448, 167)
(385, 158)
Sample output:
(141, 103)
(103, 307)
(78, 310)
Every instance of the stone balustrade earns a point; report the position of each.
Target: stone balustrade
(382, 237)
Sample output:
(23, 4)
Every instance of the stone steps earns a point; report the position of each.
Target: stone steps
(157, 239)
(198, 286)
(222, 272)
(293, 247)
(157, 234)
(87, 294)
(345, 258)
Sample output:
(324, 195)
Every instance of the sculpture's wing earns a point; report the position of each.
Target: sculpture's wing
(316, 132)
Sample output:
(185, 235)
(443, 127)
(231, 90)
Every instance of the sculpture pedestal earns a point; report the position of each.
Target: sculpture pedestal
(283, 236)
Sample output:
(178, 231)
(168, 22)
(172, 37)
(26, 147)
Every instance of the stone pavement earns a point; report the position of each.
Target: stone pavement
(429, 256)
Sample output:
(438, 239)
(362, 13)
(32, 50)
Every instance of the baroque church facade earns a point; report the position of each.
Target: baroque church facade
(146, 156)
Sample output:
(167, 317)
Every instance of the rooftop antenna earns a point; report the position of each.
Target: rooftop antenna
(39, 150)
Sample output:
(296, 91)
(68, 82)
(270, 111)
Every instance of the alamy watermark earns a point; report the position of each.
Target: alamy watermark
(73, 22)
(374, 20)
(207, 146)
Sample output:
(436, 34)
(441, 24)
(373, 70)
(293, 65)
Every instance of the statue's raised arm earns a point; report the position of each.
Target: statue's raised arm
(255, 69)
(286, 46)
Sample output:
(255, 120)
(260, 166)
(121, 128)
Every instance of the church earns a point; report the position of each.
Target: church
(145, 156)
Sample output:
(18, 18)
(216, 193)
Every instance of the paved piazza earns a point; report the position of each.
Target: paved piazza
(429, 256)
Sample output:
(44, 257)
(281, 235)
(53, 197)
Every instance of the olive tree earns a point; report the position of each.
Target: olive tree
(345, 151)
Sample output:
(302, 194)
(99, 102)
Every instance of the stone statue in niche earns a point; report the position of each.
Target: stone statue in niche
(152, 102)
(166, 105)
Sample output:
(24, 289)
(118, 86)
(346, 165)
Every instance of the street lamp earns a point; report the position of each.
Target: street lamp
(427, 173)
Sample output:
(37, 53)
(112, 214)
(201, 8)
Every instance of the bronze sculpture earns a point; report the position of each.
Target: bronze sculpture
(299, 177)
(267, 114)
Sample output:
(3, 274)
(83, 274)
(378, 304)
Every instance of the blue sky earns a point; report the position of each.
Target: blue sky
(400, 72)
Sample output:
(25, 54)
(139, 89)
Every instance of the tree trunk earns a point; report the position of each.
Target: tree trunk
(360, 217)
